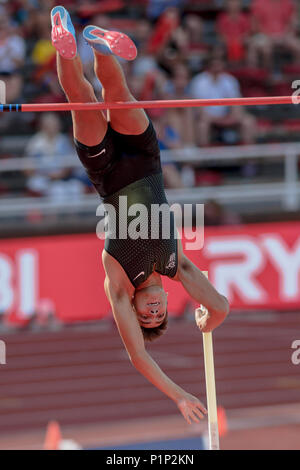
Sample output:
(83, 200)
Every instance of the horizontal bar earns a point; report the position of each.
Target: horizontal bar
(191, 103)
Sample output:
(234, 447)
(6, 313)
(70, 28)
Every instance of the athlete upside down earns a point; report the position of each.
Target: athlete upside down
(122, 158)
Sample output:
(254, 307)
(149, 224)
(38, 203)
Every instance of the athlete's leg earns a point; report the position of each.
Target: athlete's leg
(106, 46)
(89, 126)
(111, 75)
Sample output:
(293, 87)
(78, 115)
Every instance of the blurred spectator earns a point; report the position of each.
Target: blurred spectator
(153, 87)
(194, 28)
(196, 48)
(159, 41)
(233, 26)
(175, 128)
(12, 56)
(179, 84)
(215, 83)
(40, 67)
(168, 139)
(51, 180)
(145, 63)
(274, 25)
(181, 119)
(216, 214)
(88, 8)
(168, 42)
(183, 40)
(142, 33)
(157, 7)
(43, 51)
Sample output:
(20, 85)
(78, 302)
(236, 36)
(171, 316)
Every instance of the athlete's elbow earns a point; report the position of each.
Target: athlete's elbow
(137, 358)
(184, 267)
(115, 292)
(222, 308)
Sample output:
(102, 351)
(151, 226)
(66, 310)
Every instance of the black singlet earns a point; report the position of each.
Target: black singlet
(127, 167)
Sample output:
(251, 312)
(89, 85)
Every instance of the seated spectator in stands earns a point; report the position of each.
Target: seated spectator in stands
(142, 33)
(168, 139)
(85, 9)
(233, 26)
(43, 51)
(153, 87)
(145, 63)
(274, 24)
(181, 119)
(194, 29)
(215, 83)
(41, 76)
(183, 40)
(196, 49)
(163, 42)
(12, 56)
(175, 128)
(52, 180)
(157, 7)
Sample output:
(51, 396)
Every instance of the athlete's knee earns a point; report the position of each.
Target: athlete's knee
(81, 92)
(117, 92)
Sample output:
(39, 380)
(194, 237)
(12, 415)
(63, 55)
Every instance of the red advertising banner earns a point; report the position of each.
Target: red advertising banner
(255, 266)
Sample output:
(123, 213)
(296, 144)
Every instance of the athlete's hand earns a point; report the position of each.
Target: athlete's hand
(191, 408)
(201, 318)
(207, 322)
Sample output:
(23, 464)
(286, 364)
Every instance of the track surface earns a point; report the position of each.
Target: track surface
(82, 375)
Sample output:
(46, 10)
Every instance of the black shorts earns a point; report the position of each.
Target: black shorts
(120, 159)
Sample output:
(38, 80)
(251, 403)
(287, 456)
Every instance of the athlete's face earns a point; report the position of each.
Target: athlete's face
(150, 305)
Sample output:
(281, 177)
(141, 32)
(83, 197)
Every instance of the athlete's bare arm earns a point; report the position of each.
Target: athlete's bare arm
(119, 293)
(201, 290)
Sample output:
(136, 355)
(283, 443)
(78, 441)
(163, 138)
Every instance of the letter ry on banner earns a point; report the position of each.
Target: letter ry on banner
(255, 266)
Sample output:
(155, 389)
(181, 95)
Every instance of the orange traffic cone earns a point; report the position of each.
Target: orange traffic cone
(53, 436)
(222, 421)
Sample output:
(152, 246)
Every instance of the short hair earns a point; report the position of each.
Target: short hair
(150, 334)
